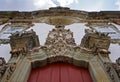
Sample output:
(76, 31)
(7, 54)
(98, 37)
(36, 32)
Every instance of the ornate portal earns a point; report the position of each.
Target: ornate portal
(27, 53)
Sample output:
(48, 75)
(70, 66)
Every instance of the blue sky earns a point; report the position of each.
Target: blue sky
(78, 29)
(30, 5)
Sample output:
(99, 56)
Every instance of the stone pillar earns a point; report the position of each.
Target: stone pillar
(97, 71)
(22, 72)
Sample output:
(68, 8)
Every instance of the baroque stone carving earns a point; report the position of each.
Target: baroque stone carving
(113, 69)
(110, 71)
(95, 41)
(27, 40)
(117, 67)
(16, 52)
(60, 45)
(59, 41)
(2, 66)
(59, 34)
(9, 71)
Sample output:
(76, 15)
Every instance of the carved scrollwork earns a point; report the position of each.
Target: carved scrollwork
(9, 71)
(2, 66)
(110, 71)
(113, 70)
(117, 67)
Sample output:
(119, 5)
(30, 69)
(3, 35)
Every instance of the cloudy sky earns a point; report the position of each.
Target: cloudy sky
(78, 29)
(30, 5)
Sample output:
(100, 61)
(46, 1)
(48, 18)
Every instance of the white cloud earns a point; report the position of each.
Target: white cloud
(118, 4)
(93, 6)
(76, 1)
(43, 4)
(67, 2)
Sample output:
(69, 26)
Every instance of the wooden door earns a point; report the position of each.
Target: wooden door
(60, 72)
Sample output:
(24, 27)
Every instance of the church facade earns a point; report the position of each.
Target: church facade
(60, 59)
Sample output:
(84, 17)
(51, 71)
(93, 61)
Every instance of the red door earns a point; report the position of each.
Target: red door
(60, 72)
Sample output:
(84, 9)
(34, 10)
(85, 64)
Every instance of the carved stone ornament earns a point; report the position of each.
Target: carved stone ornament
(110, 71)
(113, 69)
(117, 67)
(2, 66)
(16, 52)
(93, 40)
(11, 68)
(60, 45)
(59, 41)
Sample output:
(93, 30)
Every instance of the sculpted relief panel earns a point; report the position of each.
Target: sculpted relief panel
(60, 41)
(93, 40)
